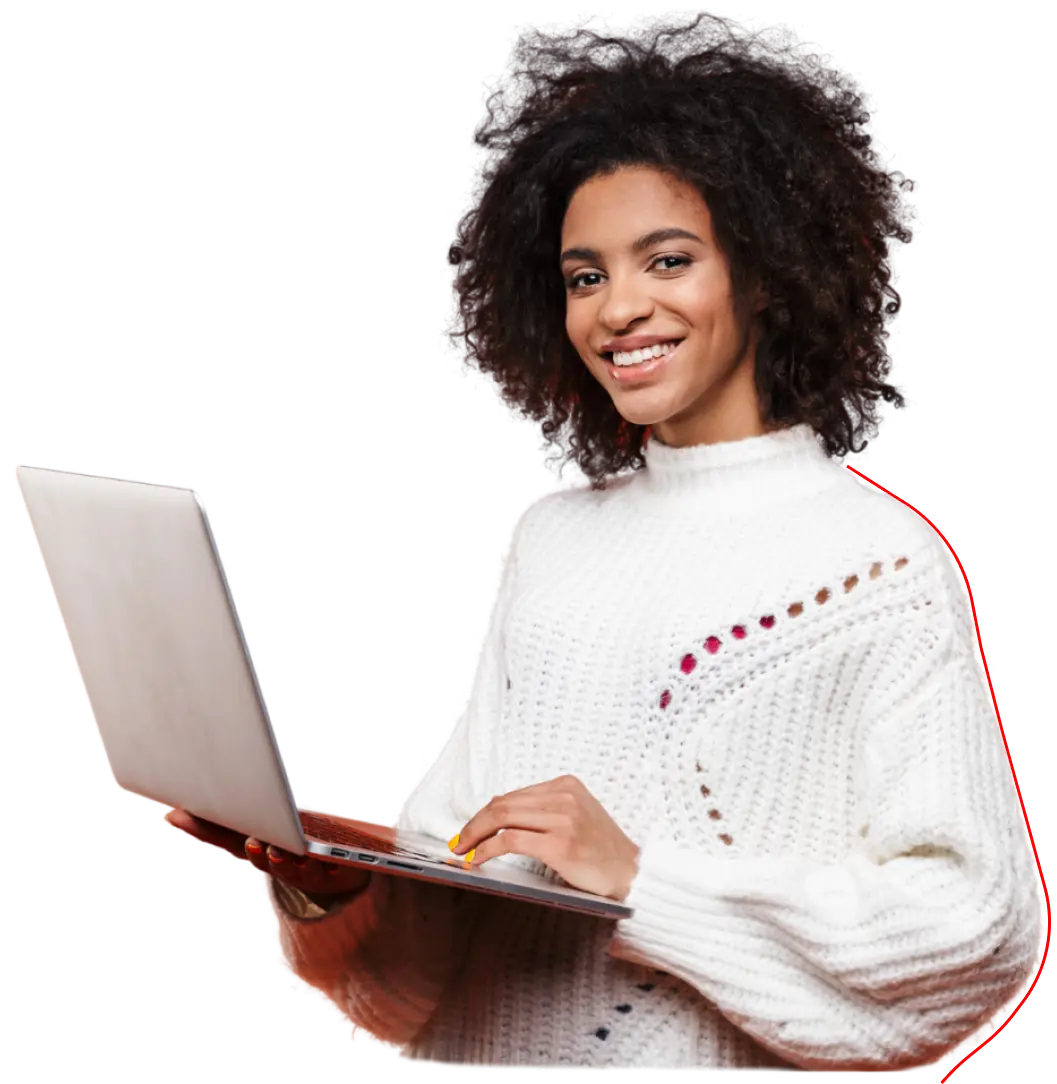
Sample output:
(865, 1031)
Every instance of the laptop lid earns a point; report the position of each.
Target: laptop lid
(154, 630)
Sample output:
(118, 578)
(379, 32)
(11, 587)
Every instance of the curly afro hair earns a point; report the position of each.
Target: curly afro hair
(776, 146)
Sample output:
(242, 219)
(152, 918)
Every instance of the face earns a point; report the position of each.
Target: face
(641, 266)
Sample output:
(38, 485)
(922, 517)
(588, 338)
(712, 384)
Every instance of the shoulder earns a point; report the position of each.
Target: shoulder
(862, 511)
(557, 526)
(881, 533)
(561, 511)
(541, 514)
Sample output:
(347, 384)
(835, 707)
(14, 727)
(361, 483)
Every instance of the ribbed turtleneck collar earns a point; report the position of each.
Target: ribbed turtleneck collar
(747, 472)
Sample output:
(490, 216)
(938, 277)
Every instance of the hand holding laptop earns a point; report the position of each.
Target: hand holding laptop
(322, 882)
(168, 674)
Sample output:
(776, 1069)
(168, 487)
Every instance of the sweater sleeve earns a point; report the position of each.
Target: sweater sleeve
(932, 922)
(386, 955)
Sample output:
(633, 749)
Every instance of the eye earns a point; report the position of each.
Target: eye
(575, 282)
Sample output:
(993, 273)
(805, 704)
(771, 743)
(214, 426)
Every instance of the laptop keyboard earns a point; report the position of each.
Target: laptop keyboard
(334, 832)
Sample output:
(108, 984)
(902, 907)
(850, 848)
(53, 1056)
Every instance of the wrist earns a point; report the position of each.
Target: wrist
(324, 899)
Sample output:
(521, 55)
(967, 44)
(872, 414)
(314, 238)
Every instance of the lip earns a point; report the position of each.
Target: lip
(637, 374)
(637, 342)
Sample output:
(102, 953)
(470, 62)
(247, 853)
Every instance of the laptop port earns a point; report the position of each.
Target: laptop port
(337, 852)
(366, 858)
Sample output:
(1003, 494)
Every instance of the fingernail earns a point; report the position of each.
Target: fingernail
(469, 854)
(299, 860)
(273, 857)
(253, 846)
(453, 842)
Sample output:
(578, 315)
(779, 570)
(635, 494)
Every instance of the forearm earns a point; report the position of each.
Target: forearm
(384, 956)
(325, 903)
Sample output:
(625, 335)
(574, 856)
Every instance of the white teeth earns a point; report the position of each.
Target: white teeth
(622, 357)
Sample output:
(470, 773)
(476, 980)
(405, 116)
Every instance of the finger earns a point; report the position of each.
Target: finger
(278, 858)
(255, 851)
(270, 859)
(279, 863)
(207, 831)
(557, 795)
(559, 784)
(535, 808)
(514, 841)
(509, 812)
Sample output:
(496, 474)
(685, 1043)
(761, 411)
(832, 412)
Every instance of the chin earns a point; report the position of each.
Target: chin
(640, 412)
(652, 420)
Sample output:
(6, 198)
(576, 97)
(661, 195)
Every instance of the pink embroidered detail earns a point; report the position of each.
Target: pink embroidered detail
(666, 698)
(712, 643)
(688, 663)
(738, 632)
(767, 621)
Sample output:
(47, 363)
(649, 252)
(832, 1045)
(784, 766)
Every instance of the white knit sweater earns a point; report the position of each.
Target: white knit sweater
(765, 671)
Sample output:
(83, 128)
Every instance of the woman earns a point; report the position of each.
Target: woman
(731, 686)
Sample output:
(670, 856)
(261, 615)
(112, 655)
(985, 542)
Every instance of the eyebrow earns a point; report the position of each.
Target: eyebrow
(654, 237)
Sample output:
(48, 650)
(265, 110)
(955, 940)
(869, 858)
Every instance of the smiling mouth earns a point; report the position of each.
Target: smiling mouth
(642, 372)
(608, 356)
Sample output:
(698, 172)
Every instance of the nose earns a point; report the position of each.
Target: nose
(626, 300)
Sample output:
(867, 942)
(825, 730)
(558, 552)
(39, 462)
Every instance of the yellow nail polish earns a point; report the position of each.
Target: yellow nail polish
(453, 842)
(468, 856)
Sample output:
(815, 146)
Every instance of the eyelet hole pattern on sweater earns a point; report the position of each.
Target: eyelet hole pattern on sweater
(713, 643)
(624, 1009)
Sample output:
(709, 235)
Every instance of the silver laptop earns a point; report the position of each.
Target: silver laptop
(139, 583)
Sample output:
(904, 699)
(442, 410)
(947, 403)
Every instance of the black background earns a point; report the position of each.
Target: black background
(228, 279)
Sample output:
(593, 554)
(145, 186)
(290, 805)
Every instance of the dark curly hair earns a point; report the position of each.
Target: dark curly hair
(776, 146)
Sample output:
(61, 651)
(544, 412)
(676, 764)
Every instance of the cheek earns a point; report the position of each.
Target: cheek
(704, 302)
(576, 326)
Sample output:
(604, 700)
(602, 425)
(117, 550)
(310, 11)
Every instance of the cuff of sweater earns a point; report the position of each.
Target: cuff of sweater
(316, 946)
(682, 908)
(297, 911)
(294, 902)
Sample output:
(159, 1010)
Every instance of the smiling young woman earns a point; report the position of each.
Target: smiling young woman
(731, 686)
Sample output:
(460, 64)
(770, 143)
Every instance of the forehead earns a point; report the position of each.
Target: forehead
(623, 205)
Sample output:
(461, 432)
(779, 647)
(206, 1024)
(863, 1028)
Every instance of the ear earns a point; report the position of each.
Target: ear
(755, 296)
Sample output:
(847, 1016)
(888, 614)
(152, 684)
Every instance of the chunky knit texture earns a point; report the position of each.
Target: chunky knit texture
(765, 670)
